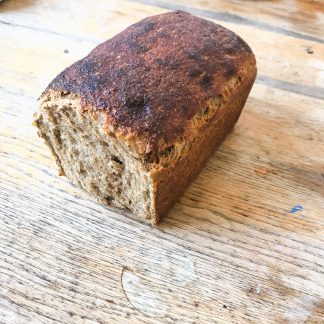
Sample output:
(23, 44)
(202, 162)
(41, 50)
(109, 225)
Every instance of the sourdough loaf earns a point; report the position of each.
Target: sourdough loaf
(133, 122)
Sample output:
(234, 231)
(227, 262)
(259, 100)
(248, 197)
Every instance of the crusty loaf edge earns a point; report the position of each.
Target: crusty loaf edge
(173, 61)
(166, 154)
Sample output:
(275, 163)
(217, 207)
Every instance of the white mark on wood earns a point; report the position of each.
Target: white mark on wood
(319, 17)
(148, 287)
(176, 268)
(320, 79)
(142, 296)
(90, 321)
(258, 288)
(300, 309)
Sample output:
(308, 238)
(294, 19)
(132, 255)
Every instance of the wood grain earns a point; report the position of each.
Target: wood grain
(300, 19)
(246, 242)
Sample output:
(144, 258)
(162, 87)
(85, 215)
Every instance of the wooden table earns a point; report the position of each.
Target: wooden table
(244, 244)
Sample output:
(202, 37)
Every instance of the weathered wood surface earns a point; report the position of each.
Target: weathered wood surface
(244, 244)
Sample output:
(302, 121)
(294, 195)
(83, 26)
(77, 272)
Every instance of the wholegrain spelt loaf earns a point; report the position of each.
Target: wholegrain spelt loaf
(134, 121)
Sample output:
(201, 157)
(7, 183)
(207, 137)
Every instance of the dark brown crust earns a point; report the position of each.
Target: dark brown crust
(170, 183)
(152, 78)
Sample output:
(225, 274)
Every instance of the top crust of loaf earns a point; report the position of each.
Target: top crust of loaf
(155, 76)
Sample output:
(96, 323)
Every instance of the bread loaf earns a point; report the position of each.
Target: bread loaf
(134, 122)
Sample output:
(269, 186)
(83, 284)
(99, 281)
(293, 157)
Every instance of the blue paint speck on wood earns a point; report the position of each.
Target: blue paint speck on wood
(296, 209)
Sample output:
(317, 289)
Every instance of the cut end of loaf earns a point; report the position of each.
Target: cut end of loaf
(92, 160)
